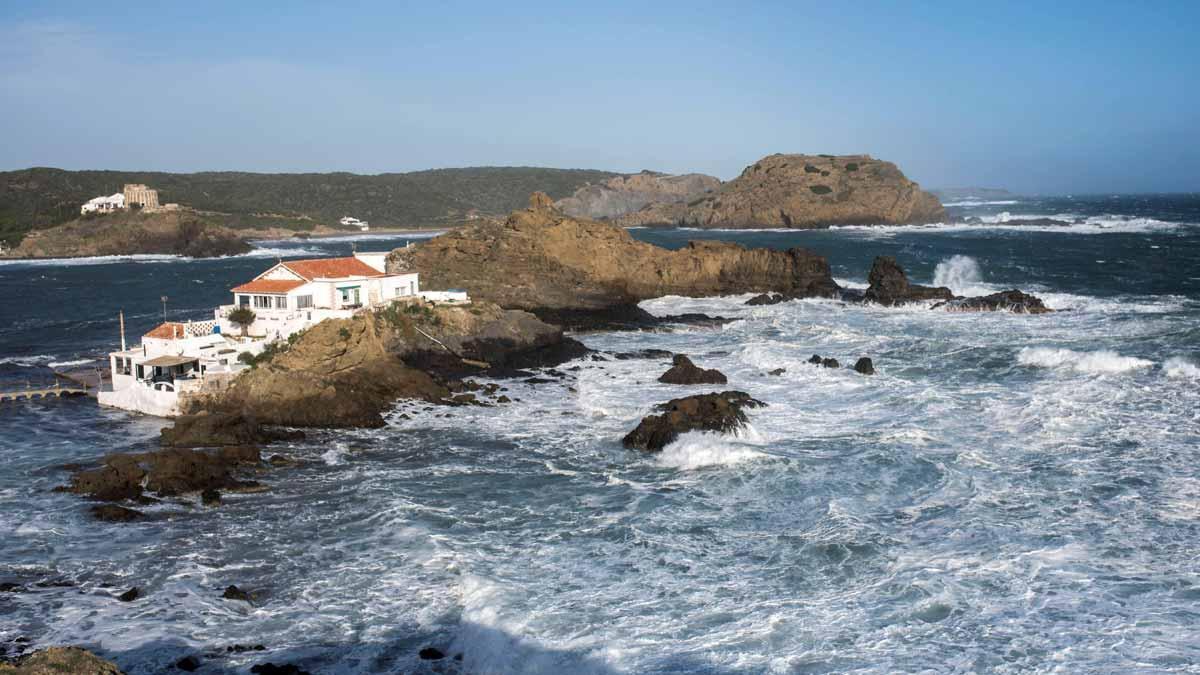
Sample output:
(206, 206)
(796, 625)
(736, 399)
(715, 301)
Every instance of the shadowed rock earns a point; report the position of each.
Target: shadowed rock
(704, 412)
(864, 366)
(235, 593)
(130, 595)
(766, 299)
(170, 472)
(890, 286)
(683, 371)
(60, 661)
(111, 513)
(207, 430)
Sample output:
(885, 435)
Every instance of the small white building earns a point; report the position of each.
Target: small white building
(174, 361)
(295, 294)
(103, 204)
(355, 222)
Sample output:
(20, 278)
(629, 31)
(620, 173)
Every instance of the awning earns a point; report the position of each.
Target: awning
(167, 361)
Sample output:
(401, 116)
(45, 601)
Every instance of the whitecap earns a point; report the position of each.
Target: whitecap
(1177, 366)
(697, 450)
(63, 364)
(1100, 362)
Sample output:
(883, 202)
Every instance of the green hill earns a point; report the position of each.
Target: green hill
(43, 197)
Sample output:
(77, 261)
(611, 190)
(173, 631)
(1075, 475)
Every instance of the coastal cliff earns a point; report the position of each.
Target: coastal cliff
(546, 262)
(621, 195)
(133, 233)
(802, 192)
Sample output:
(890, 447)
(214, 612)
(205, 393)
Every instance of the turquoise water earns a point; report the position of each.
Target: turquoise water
(1007, 494)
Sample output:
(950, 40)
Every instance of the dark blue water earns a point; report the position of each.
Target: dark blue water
(1007, 494)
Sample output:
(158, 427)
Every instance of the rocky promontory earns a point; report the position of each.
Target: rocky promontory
(802, 192)
(551, 264)
(620, 195)
(133, 233)
(348, 372)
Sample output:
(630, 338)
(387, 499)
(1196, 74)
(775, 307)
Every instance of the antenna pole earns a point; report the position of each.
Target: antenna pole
(121, 318)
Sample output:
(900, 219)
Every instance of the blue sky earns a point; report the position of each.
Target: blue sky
(1036, 97)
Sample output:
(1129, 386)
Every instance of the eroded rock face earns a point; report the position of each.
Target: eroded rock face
(543, 261)
(803, 192)
(683, 371)
(208, 430)
(167, 473)
(890, 286)
(721, 412)
(1004, 301)
(347, 373)
(60, 660)
(621, 195)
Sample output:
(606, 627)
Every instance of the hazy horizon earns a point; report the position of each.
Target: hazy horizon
(1069, 99)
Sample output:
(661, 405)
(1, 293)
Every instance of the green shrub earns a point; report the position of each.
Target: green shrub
(821, 189)
(852, 167)
(344, 333)
(809, 168)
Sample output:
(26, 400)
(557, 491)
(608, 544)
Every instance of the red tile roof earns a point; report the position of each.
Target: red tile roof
(171, 330)
(277, 286)
(332, 268)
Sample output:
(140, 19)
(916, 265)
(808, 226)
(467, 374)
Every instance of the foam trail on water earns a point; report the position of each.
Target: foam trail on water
(696, 450)
(1177, 366)
(1101, 362)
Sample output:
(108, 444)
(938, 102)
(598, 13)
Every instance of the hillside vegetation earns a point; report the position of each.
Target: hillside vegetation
(44, 197)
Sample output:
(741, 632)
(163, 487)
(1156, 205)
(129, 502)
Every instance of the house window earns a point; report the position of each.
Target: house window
(304, 301)
(262, 302)
(243, 300)
(281, 302)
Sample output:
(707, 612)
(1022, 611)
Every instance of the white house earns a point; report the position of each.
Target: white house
(174, 360)
(295, 294)
(355, 222)
(103, 204)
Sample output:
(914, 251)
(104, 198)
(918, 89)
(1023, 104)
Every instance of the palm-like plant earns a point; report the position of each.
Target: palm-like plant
(243, 317)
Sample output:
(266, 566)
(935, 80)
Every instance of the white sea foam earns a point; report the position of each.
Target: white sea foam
(1098, 362)
(27, 361)
(89, 260)
(978, 202)
(697, 450)
(1100, 225)
(962, 275)
(1178, 366)
(62, 364)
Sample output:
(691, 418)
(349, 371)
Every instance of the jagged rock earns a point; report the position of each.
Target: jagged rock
(543, 261)
(169, 472)
(704, 412)
(60, 661)
(210, 497)
(239, 649)
(778, 371)
(130, 595)
(830, 363)
(1004, 301)
(621, 195)
(890, 286)
(188, 664)
(207, 429)
(802, 191)
(644, 354)
(864, 366)
(235, 593)
(766, 299)
(683, 371)
(815, 359)
(111, 513)
(540, 201)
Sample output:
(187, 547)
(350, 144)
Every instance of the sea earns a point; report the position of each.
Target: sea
(1007, 494)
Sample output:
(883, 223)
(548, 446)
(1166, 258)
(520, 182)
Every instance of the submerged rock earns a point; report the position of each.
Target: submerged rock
(188, 664)
(60, 661)
(269, 668)
(235, 593)
(130, 595)
(111, 513)
(890, 286)
(683, 371)
(864, 366)
(1004, 301)
(830, 363)
(721, 412)
(431, 654)
(170, 472)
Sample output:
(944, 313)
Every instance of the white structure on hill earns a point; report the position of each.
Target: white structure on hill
(295, 294)
(174, 361)
(355, 222)
(103, 204)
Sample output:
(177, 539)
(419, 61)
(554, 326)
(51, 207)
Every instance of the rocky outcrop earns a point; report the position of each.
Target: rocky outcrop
(621, 195)
(543, 261)
(890, 286)
(683, 371)
(177, 233)
(766, 299)
(206, 430)
(347, 373)
(864, 366)
(721, 412)
(60, 660)
(1004, 301)
(803, 192)
(165, 473)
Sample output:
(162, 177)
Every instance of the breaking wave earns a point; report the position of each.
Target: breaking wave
(697, 450)
(962, 275)
(1177, 366)
(1103, 362)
